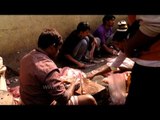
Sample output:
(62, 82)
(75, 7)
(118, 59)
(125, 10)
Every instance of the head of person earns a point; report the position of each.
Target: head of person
(120, 34)
(83, 29)
(108, 21)
(50, 41)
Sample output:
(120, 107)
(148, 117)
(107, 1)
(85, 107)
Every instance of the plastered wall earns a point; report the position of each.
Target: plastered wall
(19, 33)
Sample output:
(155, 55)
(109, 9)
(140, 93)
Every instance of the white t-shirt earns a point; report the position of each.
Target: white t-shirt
(150, 26)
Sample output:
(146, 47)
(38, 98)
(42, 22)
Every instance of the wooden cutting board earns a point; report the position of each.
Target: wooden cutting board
(89, 87)
(97, 70)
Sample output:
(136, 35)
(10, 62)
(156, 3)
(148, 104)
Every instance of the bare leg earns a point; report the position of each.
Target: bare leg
(86, 100)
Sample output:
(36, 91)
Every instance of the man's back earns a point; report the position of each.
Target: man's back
(33, 69)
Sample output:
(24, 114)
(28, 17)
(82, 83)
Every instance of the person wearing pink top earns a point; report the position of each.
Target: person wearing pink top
(39, 83)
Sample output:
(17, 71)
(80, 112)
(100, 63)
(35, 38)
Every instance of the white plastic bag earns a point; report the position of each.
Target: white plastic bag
(3, 85)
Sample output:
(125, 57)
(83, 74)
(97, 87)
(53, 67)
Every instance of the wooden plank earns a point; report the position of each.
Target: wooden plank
(89, 87)
(94, 72)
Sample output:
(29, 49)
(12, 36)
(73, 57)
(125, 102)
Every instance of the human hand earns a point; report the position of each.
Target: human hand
(114, 52)
(95, 42)
(77, 84)
(107, 74)
(90, 75)
(81, 65)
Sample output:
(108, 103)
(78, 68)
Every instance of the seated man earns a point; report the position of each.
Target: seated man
(39, 83)
(77, 44)
(104, 32)
(121, 34)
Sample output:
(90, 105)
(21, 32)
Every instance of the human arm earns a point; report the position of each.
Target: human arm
(115, 66)
(92, 43)
(55, 87)
(148, 30)
(74, 85)
(104, 37)
(99, 71)
(70, 58)
(110, 50)
(137, 42)
(91, 52)
(104, 46)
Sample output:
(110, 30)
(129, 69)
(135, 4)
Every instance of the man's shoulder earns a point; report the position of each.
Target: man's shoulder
(28, 54)
(100, 28)
(71, 35)
(74, 33)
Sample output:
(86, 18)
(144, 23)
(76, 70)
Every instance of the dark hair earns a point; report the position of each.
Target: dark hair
(107, 18)
(49, 37)
(83, 26)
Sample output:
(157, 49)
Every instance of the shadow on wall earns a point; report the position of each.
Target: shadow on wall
(19, 33)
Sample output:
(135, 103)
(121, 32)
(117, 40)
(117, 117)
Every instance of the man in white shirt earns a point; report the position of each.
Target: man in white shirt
(146, 70)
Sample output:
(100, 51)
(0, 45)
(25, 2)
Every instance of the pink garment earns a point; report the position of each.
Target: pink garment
(34, 89)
